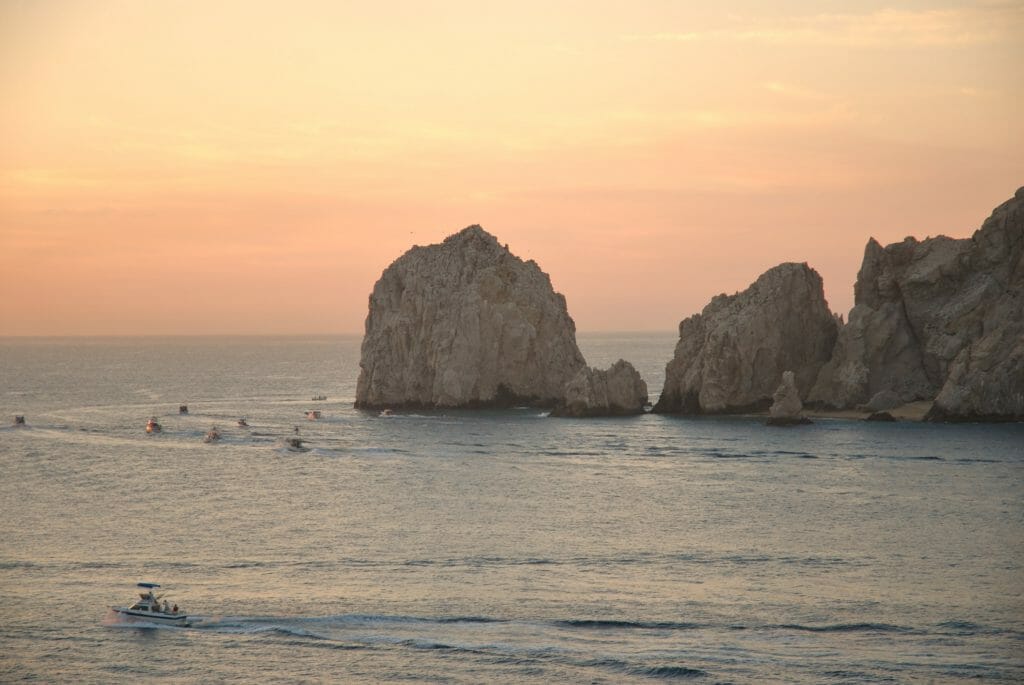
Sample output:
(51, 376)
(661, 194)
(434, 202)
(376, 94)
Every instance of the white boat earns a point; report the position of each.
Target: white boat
(386, 412)
(148, 609)
(212, 435)
(152, 426)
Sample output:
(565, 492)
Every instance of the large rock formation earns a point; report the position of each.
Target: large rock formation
(619, 391)
(731, 356)
(465, 324)
(938, 319)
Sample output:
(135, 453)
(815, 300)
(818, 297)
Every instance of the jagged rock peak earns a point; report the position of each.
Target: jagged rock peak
(985, 379)
(465, 323)
(731, 356)
(473, 232)
(940, 319)
(619, 391)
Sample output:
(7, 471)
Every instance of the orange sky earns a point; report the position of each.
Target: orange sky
(185, 166)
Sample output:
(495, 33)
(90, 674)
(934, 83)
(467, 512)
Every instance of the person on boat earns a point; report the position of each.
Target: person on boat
(167, 609)
(175, 609)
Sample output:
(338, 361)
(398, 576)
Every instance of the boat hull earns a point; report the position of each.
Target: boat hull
(158, 618)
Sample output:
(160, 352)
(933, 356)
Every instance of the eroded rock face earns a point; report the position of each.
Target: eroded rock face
(786, 402)
(619, 391)
(465, 324)
(938, 319)
(731, 356)
(986, 378)
(787, 409)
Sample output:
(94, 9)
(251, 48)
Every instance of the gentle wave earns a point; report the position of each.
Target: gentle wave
(671, 672)
(659, 672)
(291, 625)
(848, 628)
(603, 624)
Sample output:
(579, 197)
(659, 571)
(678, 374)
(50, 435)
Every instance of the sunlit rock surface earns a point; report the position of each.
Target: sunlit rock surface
(731, 356)
(619, 391)
(938, 319)
(466, 324)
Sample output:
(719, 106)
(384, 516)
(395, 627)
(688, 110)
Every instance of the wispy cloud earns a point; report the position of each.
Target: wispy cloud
(883, 28)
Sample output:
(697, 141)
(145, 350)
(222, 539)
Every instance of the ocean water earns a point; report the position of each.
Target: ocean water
(487, 547)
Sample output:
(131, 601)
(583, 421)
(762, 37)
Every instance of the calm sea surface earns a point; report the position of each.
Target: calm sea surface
(485, 547)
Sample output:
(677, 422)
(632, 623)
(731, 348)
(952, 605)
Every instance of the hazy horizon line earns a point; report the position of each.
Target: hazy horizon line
(349, 334)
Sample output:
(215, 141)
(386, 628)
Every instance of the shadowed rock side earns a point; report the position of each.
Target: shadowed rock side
(731, 356)
(465, 324)
(938, 319)
(619, 391)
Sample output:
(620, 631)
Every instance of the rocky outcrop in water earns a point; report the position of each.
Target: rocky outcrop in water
(619, 391)
(465, 324)
(938, 319)
(787, 409)
(732, 355)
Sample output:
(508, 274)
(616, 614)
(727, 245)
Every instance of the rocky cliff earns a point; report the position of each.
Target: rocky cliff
(465, 324)
(731, 356)
(619, 391)
(938, 319)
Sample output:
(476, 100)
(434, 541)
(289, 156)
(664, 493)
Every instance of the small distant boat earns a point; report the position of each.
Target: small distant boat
(19, 420)
(212, 435)
(152, 426)
(148, 609)
(313, 414)
(387, 412)
(183, 409)
(319, 398)
(295, 445)
(242, 423)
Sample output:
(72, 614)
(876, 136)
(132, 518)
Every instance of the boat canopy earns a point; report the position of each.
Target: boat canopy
(147, 585)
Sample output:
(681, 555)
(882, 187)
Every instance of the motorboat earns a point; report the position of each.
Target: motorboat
(148, 609)
(242, 423)
(212, 435)
(183, 409)
(387, 412)
(295, 445)
(313, 414)
(152, 426)
(319, 398)
(19, 420)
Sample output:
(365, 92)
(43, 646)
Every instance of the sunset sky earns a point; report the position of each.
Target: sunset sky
(193, 167)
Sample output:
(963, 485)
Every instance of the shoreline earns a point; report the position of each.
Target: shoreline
(909, 412)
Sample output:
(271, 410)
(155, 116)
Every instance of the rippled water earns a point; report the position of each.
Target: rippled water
(484, 547)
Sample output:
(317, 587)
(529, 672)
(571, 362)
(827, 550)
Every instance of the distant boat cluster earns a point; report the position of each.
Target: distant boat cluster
(292, 443)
